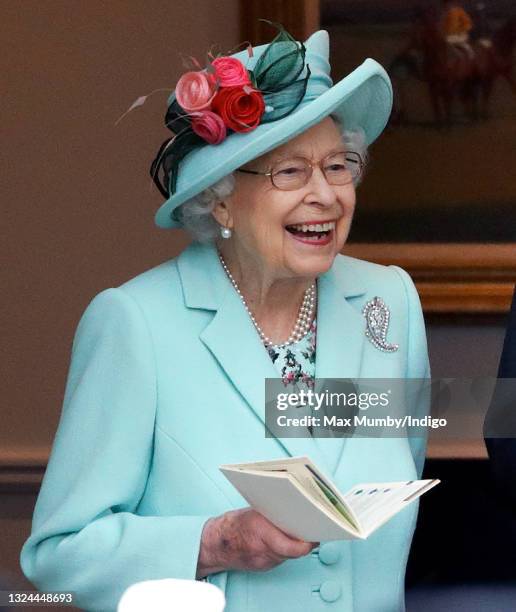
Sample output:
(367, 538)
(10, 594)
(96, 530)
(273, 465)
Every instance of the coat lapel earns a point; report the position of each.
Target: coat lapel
(340, 341)
(340, 326)
(233, 341)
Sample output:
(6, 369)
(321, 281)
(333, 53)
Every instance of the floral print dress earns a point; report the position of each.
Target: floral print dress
(296, 362)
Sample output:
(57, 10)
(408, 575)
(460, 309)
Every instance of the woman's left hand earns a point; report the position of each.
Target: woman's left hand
(245, 540)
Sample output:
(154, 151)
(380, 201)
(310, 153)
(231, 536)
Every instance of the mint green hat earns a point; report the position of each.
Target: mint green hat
(361, 99)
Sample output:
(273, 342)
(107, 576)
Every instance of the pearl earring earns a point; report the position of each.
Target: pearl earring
(225, 232)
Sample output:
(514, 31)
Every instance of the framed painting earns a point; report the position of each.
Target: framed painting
(439, 197)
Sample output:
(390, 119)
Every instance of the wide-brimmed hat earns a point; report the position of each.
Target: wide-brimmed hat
(362, 99)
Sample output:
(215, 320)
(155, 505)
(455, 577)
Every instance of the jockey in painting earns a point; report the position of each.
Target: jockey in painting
(456, 25)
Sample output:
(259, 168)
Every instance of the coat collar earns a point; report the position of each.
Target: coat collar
(233, 341)
(204, 281)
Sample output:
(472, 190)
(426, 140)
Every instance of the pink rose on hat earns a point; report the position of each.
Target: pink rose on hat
(230, 72)
(195, 91)
(209, 126)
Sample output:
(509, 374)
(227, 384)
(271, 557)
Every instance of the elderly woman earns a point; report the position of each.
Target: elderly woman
(166, 381)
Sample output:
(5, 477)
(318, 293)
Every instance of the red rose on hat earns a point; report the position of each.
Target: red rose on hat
(241, 108)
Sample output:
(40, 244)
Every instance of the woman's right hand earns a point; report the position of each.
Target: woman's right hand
(245, 540)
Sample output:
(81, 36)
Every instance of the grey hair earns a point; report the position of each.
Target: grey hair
(196, 213)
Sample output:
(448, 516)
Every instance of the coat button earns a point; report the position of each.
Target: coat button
(330, 553)
(330, 591)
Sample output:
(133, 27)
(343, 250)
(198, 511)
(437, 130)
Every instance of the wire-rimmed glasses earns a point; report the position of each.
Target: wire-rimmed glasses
(339, 168)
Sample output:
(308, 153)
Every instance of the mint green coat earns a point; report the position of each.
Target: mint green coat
(166, 383)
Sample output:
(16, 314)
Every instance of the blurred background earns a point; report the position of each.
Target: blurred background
(78, 207)
(456, 115)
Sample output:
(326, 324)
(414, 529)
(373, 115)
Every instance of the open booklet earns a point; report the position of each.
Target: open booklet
(294, 495)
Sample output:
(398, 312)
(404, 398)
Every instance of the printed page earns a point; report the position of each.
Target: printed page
(335, 499)
(375, 503)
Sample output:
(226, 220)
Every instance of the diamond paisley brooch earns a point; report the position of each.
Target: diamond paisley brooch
(377, 317)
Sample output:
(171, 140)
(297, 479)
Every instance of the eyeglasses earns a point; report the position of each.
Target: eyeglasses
(338, 168)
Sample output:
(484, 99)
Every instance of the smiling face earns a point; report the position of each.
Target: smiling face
(268, 223)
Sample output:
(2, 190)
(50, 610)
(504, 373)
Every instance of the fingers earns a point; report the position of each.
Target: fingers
(282, 544)
(245, 539)
(289, 548)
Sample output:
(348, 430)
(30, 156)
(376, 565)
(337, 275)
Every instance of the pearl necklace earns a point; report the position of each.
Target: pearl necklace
(304, 317)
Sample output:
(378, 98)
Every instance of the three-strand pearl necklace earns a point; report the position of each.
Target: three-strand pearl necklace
(304, 317)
